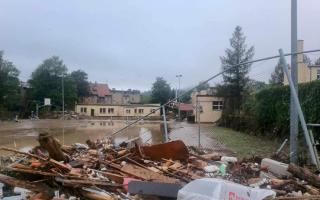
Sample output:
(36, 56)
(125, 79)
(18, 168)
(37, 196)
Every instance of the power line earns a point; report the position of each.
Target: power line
(209, 79)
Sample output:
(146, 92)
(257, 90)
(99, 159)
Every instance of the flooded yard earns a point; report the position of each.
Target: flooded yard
(23, 135)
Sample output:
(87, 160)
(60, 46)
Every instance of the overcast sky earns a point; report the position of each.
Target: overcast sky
(129, 43)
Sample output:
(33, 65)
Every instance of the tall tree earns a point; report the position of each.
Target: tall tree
(9, 85)
(46, 82)
(161, 91)
(277, 76)
(81, 80)
(235, 79)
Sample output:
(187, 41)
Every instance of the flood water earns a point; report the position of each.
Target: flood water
(23, 135)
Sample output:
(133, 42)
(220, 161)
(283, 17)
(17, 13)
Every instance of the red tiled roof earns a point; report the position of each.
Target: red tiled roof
(186, 107)
(99, 89)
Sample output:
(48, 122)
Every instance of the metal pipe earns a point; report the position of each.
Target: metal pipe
(198, 112)
(298, 107)
(294, 74)
(178, 99)
(165, 124)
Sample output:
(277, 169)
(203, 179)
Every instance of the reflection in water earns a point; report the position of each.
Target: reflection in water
(24, 135)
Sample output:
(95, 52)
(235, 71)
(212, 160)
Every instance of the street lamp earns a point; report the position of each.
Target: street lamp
(178, 93)
(62, 85)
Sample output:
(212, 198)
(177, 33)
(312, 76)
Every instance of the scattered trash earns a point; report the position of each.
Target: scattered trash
(103, 170)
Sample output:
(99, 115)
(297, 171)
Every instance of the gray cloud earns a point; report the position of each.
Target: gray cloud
(129, 43)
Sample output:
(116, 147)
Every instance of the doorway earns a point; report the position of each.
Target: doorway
(92, 112)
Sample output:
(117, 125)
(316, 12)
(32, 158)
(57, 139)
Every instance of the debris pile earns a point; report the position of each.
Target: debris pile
(101, 170)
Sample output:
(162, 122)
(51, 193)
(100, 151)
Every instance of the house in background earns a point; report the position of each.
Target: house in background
(306, 73)
(99, 93)
(125, 96)
(105, 103)
(207, 108)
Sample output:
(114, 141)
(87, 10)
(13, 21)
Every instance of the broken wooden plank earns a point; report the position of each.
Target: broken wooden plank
(34, 187)
(79, 183)
(304, 174)
(51, 161)
(53, 146)
(146, 174)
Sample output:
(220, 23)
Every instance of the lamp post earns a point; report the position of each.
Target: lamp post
(62, 93)
(178, 93)
(62, 96)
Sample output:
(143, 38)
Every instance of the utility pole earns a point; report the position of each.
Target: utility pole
(178, 99)
(294, 76)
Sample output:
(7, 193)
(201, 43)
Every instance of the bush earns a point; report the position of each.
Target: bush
(267, 111)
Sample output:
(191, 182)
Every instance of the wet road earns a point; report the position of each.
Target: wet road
(189, 134)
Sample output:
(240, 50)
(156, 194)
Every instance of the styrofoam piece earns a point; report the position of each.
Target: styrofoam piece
(278, 169)
(218, 189)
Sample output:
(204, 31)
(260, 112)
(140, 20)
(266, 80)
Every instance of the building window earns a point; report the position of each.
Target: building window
(140, 111)
(110, 110)
(217, 105)
(83, 109)
(318, 74)
(135, 110)
(102, 110)
(128, 111)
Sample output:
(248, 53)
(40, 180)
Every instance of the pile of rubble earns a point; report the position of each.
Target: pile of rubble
(101, 170)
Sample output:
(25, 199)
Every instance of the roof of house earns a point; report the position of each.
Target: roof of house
(99, 89)
(185, 107)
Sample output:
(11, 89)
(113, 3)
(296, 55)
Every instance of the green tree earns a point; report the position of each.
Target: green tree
(277, 76)
(161, 91)
(9, 86)
(317, 62)
(46, 82)
(235, 79)
(82, 85)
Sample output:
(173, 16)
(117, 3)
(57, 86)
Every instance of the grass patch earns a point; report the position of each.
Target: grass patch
(245, 145)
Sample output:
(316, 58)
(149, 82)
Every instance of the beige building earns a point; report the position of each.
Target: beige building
(209, 106)
(305, 73)
(118, 111)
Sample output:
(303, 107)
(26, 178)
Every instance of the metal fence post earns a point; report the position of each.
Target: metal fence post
(299, 110)
(165, 124)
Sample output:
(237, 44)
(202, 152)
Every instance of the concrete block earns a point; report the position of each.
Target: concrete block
(278, 169)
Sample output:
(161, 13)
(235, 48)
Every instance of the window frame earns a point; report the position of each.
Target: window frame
(218, 106)
(110, 110)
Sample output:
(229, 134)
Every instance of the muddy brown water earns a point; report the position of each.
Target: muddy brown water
(23, 135)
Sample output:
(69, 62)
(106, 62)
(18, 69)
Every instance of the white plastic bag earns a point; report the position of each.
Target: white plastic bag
(217, 189)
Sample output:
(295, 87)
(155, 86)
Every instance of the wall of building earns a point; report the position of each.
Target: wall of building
(208, 114)
(125, 97)
(205, 100)
(305, 73)
(97, 100)
(118, 110)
